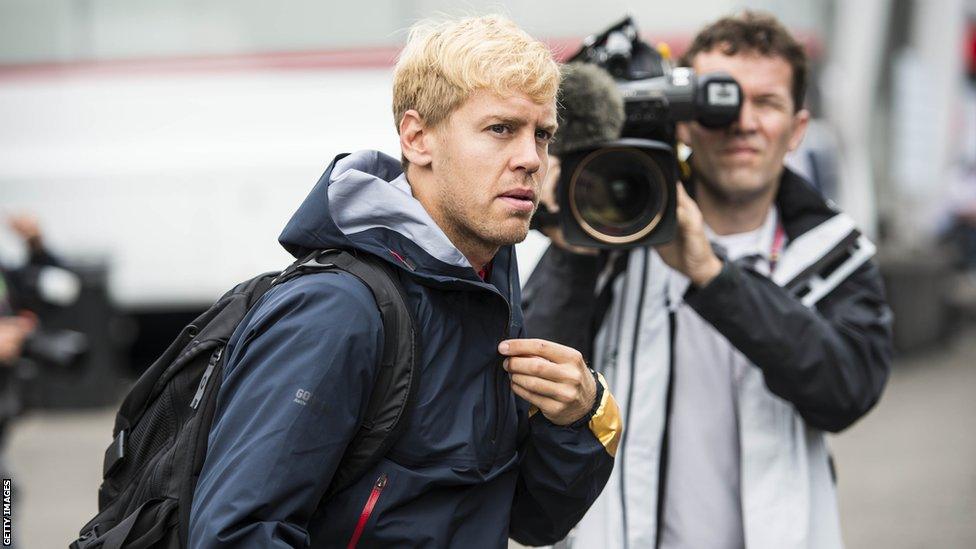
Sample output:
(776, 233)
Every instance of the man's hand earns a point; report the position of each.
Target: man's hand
(13, 331)
(690, 253)
(551, 377)
(27, 227)
(547, 197)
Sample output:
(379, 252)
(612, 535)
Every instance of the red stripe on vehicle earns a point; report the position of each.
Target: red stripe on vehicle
(377, 57)
(374, 496)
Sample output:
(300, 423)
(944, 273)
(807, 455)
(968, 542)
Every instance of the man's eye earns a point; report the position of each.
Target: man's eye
(500, 128)
(768, 103)
(543, 135)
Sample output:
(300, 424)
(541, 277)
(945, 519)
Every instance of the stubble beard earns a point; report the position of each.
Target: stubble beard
(731, 193)
(479, 233)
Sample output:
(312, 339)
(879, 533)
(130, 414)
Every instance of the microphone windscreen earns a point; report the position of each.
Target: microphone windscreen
(590, 108)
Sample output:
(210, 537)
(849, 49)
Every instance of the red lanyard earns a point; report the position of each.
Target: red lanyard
(485, 272)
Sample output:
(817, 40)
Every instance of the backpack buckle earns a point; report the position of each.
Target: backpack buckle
(114, 454)
(310, 261)
(321, 258)
(87, 539)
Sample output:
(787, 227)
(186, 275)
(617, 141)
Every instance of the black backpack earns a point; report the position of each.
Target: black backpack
(152, 466)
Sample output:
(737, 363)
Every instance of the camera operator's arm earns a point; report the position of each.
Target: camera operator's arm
(27, 227)
(831, 362)
(42, 283)
(559, 301)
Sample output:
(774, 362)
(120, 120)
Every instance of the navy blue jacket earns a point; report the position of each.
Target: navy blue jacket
(472, 467)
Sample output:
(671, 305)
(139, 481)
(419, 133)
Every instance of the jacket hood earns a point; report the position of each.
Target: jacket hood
(364, 202)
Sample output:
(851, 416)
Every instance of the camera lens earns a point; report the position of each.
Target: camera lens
(617, 65)
(618, 195)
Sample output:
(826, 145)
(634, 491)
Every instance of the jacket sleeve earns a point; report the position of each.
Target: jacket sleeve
(298, 375)
(831, 362)
(562, 469)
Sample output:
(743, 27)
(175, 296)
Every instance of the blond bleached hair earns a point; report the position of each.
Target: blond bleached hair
(444, 62)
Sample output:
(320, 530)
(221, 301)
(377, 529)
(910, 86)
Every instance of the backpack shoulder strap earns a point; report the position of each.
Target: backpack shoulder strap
(397, 379)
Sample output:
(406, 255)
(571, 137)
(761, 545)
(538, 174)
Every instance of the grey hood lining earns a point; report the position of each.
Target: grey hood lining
(360, 200)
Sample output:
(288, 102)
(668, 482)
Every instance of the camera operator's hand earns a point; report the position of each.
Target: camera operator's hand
(552, 377)
(690, 253)
(27, 227)
(13, 331)
(547, 197)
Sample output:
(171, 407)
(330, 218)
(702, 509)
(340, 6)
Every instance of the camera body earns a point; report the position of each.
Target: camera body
(632, 180)
(59, 348)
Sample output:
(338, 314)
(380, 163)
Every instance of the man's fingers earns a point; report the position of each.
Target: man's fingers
(551, 377)
(17, 324)
(555, 235)
(547, 406)
(547, 194)
(688, 214)
(543, 387)
(548, 350)
(539, 367)
(682, 193)
(530, 365)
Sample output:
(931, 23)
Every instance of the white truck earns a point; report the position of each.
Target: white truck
(181, 176)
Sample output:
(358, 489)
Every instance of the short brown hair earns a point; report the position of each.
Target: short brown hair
(754, 32)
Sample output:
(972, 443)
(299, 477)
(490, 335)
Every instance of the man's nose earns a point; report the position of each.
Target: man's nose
(747, 121)
(526, 155)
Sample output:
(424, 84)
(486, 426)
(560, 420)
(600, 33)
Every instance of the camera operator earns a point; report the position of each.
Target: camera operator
(28, 295)
(20, 288)
(20, 301)
(18, 320)
(727, 377)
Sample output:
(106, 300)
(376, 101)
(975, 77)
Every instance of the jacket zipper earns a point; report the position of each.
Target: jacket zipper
(374, 496)
(500, 376)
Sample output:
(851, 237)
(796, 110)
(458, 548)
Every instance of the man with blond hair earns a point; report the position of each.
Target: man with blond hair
(506, 436)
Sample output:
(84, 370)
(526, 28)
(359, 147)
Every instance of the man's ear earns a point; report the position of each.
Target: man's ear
(416, 139)
(800, 122)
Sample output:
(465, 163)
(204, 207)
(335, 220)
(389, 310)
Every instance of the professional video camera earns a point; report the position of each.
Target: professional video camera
(38, 290)
(620, 193)
(57, 348)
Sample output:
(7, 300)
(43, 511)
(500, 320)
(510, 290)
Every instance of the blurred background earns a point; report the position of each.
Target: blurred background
(152, 152)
